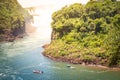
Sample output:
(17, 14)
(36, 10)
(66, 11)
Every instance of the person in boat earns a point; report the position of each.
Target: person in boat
(37, 71)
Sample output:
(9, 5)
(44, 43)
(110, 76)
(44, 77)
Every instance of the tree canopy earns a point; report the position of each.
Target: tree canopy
(93, 31)
(11, 14)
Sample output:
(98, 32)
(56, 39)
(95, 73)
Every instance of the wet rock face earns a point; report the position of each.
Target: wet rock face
(18, 30)
(12, 20)
(11, 35)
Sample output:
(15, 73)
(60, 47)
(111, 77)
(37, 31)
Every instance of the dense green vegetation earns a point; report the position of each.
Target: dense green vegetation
(87, 33)
(12, 17)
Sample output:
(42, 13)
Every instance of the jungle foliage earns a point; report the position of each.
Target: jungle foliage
(88, 32)
(12, 15)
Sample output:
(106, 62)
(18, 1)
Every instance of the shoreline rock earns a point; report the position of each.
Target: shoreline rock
(11, 35)
(77, 61)
(11, 38)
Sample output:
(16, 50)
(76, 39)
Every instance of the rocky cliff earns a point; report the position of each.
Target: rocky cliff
(12, 20)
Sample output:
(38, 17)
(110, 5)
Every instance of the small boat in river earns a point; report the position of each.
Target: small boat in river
(68, 66)
(71, 67)
(37, 71)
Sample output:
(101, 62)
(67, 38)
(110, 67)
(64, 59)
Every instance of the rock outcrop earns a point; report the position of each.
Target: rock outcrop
(12, 20)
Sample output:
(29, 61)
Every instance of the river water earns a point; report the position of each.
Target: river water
(18, 60)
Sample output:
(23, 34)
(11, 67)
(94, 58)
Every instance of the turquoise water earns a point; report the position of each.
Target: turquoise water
(18, 60)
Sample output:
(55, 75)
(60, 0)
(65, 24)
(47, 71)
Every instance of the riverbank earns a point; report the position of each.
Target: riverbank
(13, 34)
(93, 63)
(8, 38)
(17, 33)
